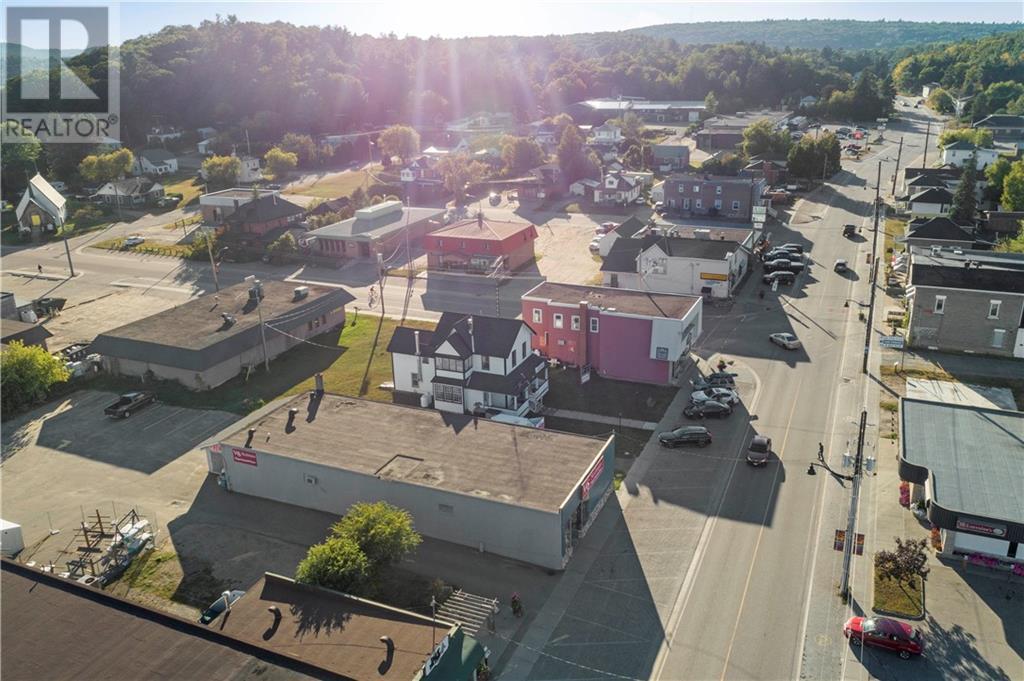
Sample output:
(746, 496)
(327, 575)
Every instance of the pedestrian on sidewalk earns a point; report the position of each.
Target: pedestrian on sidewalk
(39, 268)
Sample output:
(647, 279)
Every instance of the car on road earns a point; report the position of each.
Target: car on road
(759, 451)
(883, 632)
(134, 240)
(723, 395)
(659, 208)
(220, 605)
(785, 340)
(841, 266)
(781, 276)
(708, 408)
(128, 403)
(275, 187)
(687, 435)
(849, 230)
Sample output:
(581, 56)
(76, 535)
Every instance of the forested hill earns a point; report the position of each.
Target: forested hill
(821, 33)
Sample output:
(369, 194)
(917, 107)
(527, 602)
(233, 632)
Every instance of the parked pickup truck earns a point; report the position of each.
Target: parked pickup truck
(128, 403)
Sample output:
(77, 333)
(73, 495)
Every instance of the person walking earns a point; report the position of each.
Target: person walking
(39, 268)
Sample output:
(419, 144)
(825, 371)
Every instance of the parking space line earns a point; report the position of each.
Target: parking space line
(175, 411)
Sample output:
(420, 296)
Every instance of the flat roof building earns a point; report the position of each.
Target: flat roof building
(378, 229)
(967, 465)
(210, 339)
(524, 493)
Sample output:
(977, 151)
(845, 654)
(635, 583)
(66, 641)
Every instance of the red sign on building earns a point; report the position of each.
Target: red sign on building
(980, 528)
(591, 478)
(242, 456)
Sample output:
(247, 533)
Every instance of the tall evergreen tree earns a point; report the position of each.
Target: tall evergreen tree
(965, 202)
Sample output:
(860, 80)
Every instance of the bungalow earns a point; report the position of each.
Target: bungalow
(134, 191)
(155, 162)
(422, 169)
(808, 101)
(481, 245)
(329, 207)
(260, 216)
(930, 202)
(469, 364)
(41, 208)
(1004, 128)
(585, 187)
(697, 266)
(670, 156)
(248, 170)
(545, 181)
(957, 153)
(606, 134)
(938, 231)
(618, 333)
(162, 134)
(1002, 222)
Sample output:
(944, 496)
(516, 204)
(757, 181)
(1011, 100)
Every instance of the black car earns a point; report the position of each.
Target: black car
(795, 248)
(706, 409)
(781, 276)
(759, 451)
(849, 230)
(778, 264)
(129, 402)
(783, 254)
(687, 435)
(220, 605)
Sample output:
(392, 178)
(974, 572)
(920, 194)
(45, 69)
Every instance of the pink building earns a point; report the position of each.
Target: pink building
(619, 333)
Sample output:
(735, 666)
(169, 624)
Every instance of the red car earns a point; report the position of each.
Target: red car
(884, 633)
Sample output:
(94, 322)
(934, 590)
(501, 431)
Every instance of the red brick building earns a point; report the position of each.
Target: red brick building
(481, 245)
(259, 216)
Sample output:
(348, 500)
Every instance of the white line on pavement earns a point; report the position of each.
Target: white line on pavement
(188, 290)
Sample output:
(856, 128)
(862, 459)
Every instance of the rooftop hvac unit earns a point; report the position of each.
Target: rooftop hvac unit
(702, 233)
(301, 292)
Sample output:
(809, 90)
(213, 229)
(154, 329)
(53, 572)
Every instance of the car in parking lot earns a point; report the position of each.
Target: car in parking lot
(759, 451)
(795, 248)
(783, 254)
(134, 240)
(718, 379)
(781, 276)
(783, 264)
(128, 403)
(723, 395)
(849, 230)
(595, 244)
(494, 199)
(220, 605)
(708, 408)
(785, 340)
(841, 266)
(687, 435)
(883, 632)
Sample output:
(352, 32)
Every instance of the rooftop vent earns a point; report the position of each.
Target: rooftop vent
(248, 438)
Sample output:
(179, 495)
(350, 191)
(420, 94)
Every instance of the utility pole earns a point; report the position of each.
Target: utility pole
(927, 134)
(257, 287)
(851, 520)
(213, 265)
(896, 171)
(67, 249)
(874, 273)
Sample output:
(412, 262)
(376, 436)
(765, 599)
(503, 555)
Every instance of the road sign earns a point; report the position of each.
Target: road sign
(759, 211)
(840, 540)
(891, 342)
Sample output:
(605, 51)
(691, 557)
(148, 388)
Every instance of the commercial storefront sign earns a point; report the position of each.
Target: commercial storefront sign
(242, 456)
(981, 528)
(714, 276)
(591, 478)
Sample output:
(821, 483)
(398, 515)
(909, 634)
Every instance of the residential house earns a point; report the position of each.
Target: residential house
(938, 231)
(585, 187)
(658, 192)
(713, 195)
(375, 230)
(774, 171)
(929, 88)
(248, 169)
(470, 364)
(215, 207)
(134, 191)
(699, 266)
(966, 301)
(670, 156)
(543, 133)
(41, 208)
(726, 132)
(162, 134)
(606, 134)
(618, 188)
(808, 101)
(263, 218)
(27, 333)
(329, 207)
(960, 105)
(206, 133)
(545, 181)
(957, 153)
(1004, 128)
(155, 162)
(203, 343)
(597, 111)
(437, 153)
(481, 245)
(422, 169)
(618, 333)
(916, 180)
(930, 202)
(1003, 223)
(483, 123)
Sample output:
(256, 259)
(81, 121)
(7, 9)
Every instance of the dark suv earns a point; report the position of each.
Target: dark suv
(687, 435)
(781, 276)
(707, 408)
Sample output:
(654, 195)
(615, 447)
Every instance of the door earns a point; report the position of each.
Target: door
(546, 338)
(364, 249)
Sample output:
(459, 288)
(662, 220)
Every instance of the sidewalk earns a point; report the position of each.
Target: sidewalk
(957, 365)
(609, 420)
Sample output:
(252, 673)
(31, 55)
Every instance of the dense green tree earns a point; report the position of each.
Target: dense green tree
(401, 141)
(338, 563)
(27, 372)
(302, 146)
(106, 167)
(280, 162)
(519, 154)
(977, 136)
(631, 125)
(573, 157)
(762, 137)
(906, 562)
(940, 100)
(222, 171)
(385, 533)
(815, 158)
(965, 201)
(18, 160)
(283, 245)
(1013, 188)
(458, 171)
(995, 173)
(710, 103)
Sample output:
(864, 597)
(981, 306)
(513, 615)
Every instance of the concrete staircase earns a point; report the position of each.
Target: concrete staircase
(469, 610)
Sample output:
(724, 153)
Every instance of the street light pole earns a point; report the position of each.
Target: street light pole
(851, 519)
(927, 134)
(213, 265)
(896, 171)
(67, 250)
(258, 288)
(874, 273)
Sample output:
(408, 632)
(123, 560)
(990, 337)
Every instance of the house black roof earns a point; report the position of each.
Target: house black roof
(973, 278)
(941, 228)
(492, 336)
(1000, 121)
(157, 155)
(264, 209)
(329, 206)
(510, 384)
(404, 341)
(622, 255)
(630, 226)
(933, 195)
(678, 247)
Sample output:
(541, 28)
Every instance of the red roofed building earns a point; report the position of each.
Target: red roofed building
(481, 245)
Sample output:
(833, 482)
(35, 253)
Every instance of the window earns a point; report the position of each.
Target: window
(718, 190)
(998, 337)
(575, 322)
(696, 189)
(940, 305)
(440, 242)
(682, 188)
(558, 320)
(657, 265)
(735, 205)
(718, 204)
(697, 204)
(426, 360)
(538, 315)
(524, 349)
(686, 204)
(561, 341)
(462, 245)
(661, 353)
(993, 308)
(415, 380)
(448, 393)
(450, 364)
(514, 362)
(485, 363)
(487, 245)
(594, 324)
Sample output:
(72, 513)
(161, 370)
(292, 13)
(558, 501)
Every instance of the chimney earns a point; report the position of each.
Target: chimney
(472, 339)
(416, 341)
(248, 439)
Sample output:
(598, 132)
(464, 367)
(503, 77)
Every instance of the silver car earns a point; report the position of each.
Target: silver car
(785, 340)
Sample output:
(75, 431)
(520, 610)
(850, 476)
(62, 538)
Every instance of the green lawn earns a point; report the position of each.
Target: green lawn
(189, 187)
(607, 397)
(334, 185)
(342, 357)
(899, 598)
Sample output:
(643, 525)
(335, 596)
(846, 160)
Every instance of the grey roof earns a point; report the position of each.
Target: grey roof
(404, 341)
(960, 145)
(986, 278)
(940, 228)
(627, 301)
(670, 150)
(678, 247)
(626, 104)
(30, 334)
(509, 384)
(264, 209)
(157, 155)
(974, 455)
(630, 226)
(428, 448)
(491, 336)
(362, 229)
(131, 186)
(932, 195)
(194, 336)
(622, 255)
(1000, 121)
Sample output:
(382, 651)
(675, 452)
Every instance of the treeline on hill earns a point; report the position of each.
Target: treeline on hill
(275, 78)
(843, 34)
(991, 70)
